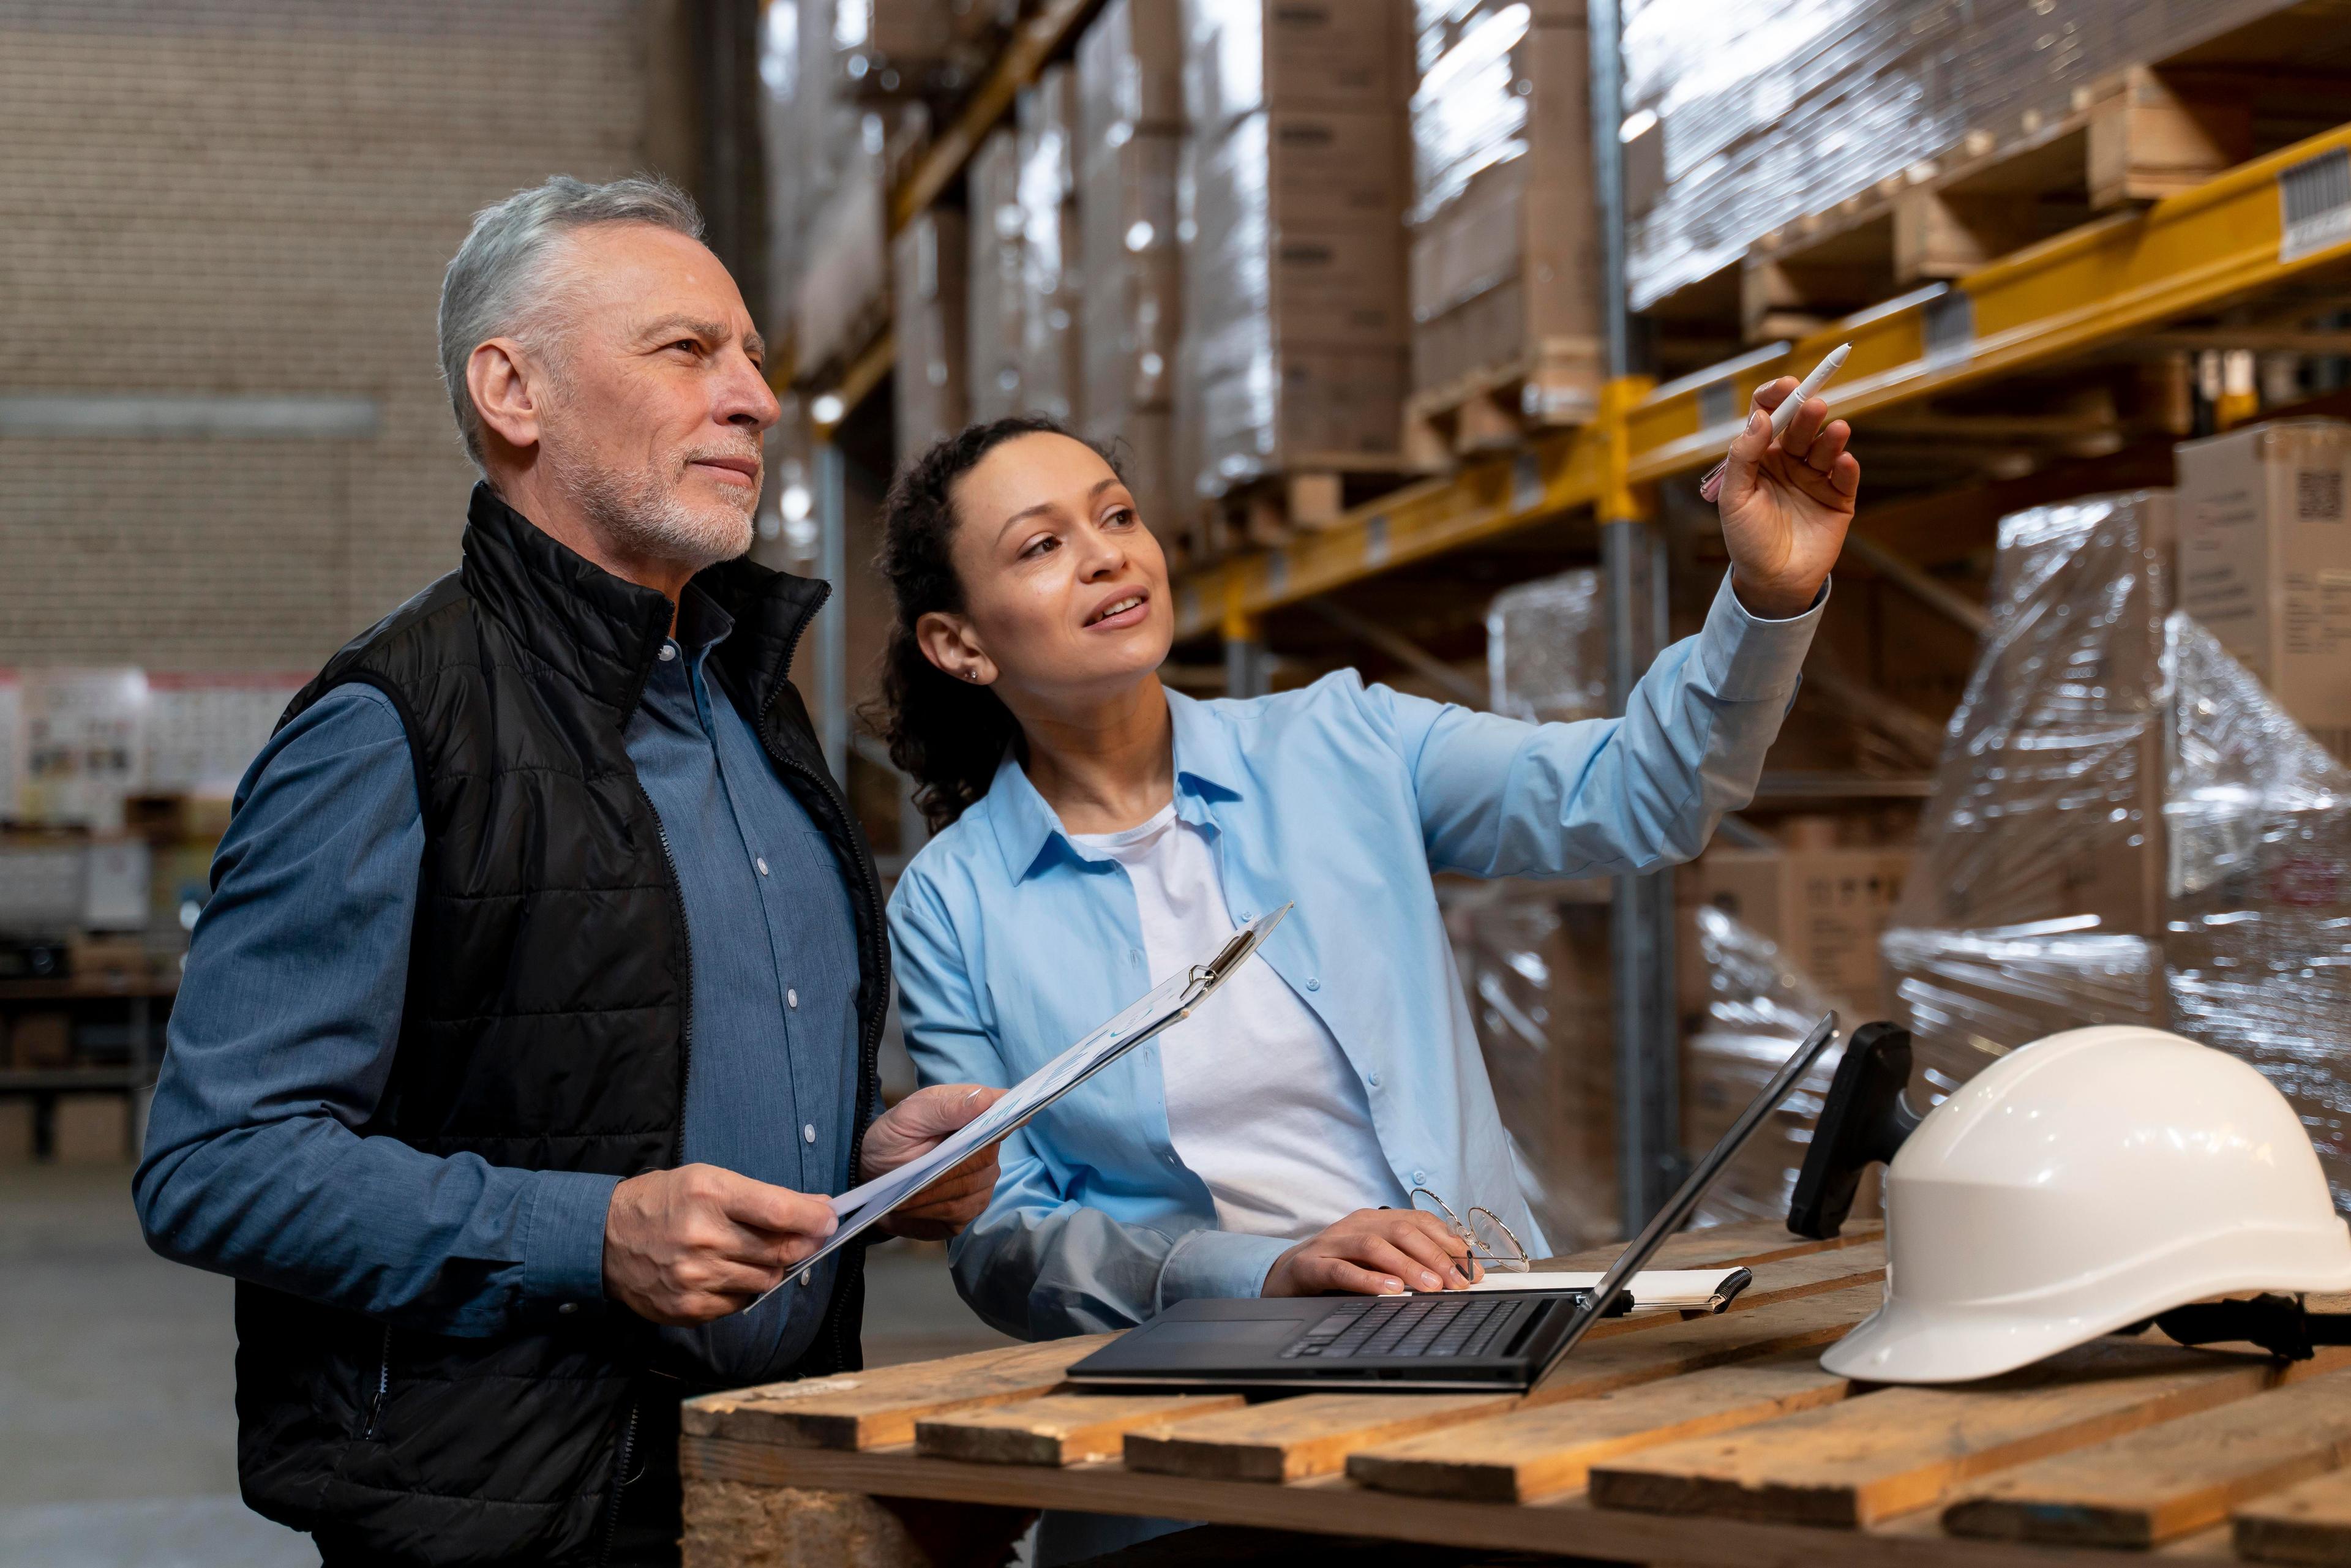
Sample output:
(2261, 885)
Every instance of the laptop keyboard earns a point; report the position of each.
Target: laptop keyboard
(1433, 1325)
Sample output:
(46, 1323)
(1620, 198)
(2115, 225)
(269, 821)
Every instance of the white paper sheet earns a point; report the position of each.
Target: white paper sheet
(1689, 1290)
(1168, 1003)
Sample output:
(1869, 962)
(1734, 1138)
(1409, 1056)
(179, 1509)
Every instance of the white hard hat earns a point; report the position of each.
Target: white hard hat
(2082, 1184)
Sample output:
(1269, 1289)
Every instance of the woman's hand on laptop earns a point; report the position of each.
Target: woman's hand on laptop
(1375, 1252)
(915, 1126)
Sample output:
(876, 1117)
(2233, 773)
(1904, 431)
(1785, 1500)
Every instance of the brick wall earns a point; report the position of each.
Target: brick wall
(251, 199)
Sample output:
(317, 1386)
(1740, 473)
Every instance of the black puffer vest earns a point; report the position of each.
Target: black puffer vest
(544, 1026)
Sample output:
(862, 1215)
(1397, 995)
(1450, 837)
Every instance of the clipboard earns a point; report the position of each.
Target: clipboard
(1166, 1004)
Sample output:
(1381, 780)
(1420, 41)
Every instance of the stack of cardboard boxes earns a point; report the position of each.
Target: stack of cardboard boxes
(994, 303)
(931, 391)
(1129, 136)
(1505, 266)
(1051, 283)
(1293, 191)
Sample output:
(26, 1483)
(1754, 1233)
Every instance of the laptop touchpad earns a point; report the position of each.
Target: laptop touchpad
(1232, 1333)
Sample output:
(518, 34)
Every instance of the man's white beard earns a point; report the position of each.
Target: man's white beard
(643, 514)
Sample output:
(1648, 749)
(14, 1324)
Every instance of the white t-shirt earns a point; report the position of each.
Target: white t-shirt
(1262, 1103)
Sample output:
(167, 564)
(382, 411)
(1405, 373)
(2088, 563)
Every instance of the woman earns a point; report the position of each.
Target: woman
(1096, 833)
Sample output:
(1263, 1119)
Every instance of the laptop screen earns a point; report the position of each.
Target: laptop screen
(1679, 1208)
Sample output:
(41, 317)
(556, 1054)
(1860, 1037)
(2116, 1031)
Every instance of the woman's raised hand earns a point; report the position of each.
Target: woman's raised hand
(1375, 1252)
(1786, 503)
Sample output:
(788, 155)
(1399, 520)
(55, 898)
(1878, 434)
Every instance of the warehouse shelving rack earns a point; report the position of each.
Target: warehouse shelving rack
(2257, 229)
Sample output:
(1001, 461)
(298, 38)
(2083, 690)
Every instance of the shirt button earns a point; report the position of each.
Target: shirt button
(1243, 917)
(808, 1131)
(568, 1308)
(1375, 1081)
(791, 998)
(1312, 984)
(761, 862)
(1420, 1178)
(668, 652)
(804, 1276)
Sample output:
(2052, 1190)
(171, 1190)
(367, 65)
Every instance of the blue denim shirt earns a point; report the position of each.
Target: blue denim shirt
(1010, 942)
(283, 1035)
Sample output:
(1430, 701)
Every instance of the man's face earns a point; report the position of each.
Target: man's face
(653, 421)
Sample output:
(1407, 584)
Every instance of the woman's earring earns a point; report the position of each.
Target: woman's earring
(971, 674)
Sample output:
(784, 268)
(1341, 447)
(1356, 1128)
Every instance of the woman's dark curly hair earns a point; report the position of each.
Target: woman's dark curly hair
(948, 736)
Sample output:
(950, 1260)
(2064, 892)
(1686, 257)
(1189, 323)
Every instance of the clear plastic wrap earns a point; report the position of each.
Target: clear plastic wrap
(1547, 649)
(1051, 282)
(843, 290)
(2258, 941)
(1533, 960)
(2036, 896)
(1290, 190)
(1505, 278)
(1769, 114)
(881, 48)
(1758, 1010)
(994, 305)
(931, 276)
(808, 129)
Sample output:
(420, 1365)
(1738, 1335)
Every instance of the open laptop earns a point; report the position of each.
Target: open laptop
(1450, 1338)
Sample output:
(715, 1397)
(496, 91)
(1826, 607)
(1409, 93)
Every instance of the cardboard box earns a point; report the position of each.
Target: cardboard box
(89, 1130)
(931, 274)
(1131, 68)
(40, 1039)
(2265, 562)
(1306, 407)
(1241, 56)
(1824, 908)
(1134, 282)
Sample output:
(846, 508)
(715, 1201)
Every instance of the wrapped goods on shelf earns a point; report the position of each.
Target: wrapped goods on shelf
(1769, 114)
(1130, 129)
(1050, 364)
(2265, 562)
(1760, 1008)
(1505, 262)
(1534, 959)
(841, 300)
(2258, 945)
(2035, 897)
(1547, 649)
(993, 305)
(930, 276)
(881, 48)
(1291, 198)
(1825, 908)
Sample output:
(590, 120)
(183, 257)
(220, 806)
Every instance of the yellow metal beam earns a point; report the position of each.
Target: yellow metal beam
(2225, 240)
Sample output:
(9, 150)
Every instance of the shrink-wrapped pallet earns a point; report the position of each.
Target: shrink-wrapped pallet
(1505, 261)
(2035, 899)
(994, 306)
(1533, 960)
(1291, 193)
(1130, 125)
(930, 280)
(1746, 118)
(1547, 649)
(1052, 283)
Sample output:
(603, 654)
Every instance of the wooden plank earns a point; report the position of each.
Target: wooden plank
(1334, 1506)
(2306, 1523)
(1057, 1429)
(869, 1409)
(1908, 1448)
(2168, 1480)
(1530, 1453)
(1312, 1435)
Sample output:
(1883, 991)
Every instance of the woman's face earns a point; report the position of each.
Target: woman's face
(1065, 591)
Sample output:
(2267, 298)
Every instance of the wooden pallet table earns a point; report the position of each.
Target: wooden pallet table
(1670, 1439)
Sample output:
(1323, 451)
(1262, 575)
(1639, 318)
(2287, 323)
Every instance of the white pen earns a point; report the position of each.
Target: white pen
(1784, 415)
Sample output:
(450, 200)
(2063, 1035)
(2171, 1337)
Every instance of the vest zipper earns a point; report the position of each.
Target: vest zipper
(383, 1386)
(685, 949)
(619, 1482)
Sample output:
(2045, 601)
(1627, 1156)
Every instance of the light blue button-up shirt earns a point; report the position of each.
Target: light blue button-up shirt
(1012, 941)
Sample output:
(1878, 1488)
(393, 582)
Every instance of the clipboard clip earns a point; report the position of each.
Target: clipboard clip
(1246, 940)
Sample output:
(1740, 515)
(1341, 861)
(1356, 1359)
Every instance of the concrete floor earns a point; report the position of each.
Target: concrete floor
(118, 1432)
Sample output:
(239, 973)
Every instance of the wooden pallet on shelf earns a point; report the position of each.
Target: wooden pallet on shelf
(1313, 492)
(1500, 407)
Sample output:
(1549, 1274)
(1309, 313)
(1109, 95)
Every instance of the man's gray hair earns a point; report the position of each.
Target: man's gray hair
(497, 279)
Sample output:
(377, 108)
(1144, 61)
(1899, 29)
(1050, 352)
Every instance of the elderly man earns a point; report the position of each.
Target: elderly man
(545, 968)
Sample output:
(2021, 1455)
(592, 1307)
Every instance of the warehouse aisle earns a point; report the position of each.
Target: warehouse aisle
(117, 1435)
